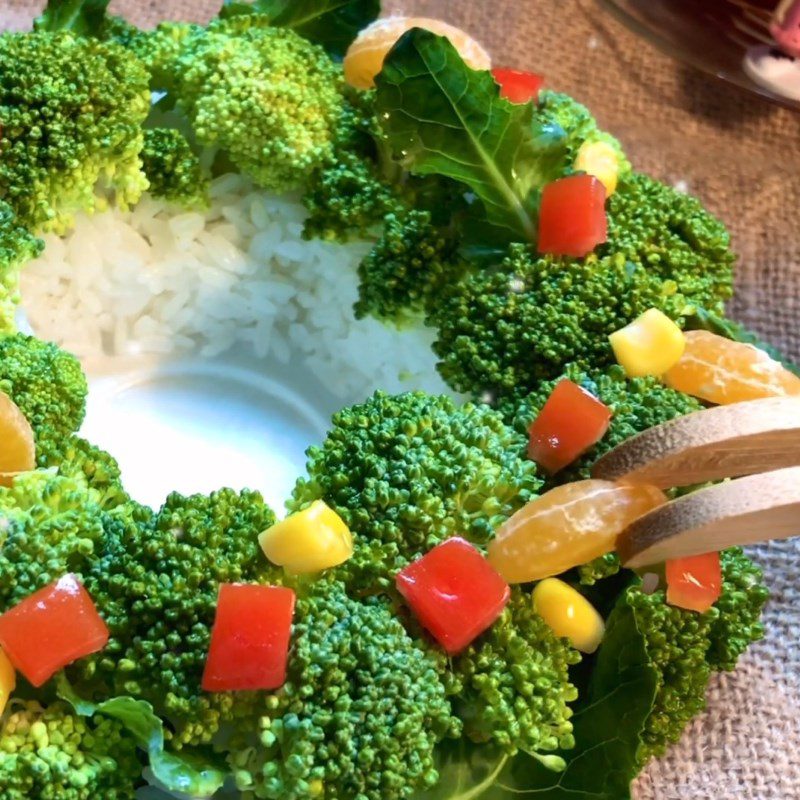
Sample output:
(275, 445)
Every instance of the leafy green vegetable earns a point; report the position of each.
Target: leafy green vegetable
(607, 726)
(82, 17)
(332, 23)
(442, 117)
(176, 773)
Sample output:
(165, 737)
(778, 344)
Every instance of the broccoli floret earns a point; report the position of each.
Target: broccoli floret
(740, 605)
(46, 383)
(266, 97)
(17, 246)
(162, 588)
(157, 49)
(72, 110)
(348, 195)
(677, 642)
(636, 405)
(557, 110)
(53, 754)
(346, 198)
(74, 457)
(172, 168)
(511, 686)
(504, 329)
(407, 269)
(48, 526)
(407, 471)
(359, 715)
(685, 646)
(598, 569)
(670, 234)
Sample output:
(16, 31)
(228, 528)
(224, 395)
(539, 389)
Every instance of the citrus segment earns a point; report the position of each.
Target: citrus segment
(721, 371)
(17, 452)
(568, 526)
(364, 58)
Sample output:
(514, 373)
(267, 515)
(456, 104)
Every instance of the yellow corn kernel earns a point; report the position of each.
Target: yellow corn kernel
(651, 345)
(569, 614)
(8, 680)
(599, 159)
(311, 540)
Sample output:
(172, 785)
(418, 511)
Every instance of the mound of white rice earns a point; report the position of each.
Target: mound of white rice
(160, 281)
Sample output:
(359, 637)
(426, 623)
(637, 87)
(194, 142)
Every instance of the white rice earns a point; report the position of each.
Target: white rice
(157, 280)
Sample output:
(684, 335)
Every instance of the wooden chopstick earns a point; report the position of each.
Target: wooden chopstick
(744, 511)
(759, 440)
(723, 442)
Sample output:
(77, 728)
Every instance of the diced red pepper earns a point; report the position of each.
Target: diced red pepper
(572, 216)
(250, 638)
(455, 593)
(694, 582)
(570, 422)
(52, 628)
(516, 85)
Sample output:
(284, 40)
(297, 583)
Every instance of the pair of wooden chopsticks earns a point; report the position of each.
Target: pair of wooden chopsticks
(756, 443)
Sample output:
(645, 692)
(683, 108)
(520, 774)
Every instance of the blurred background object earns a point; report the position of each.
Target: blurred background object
(741, 155)
(730, 39)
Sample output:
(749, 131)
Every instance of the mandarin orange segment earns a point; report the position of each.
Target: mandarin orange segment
(364, 58)
(17, 452)
(568, 526)
(721, 371)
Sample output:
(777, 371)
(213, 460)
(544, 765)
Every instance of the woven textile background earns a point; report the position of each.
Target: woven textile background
(741, 156)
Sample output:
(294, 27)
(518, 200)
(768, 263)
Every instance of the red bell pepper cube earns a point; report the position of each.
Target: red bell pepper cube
(52, 628)
(250, 638)
(570, 422)
(572, 216)
(516, 85)
(455, 593)
(694, 582)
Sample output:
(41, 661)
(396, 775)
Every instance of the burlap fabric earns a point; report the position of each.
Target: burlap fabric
(742, 157)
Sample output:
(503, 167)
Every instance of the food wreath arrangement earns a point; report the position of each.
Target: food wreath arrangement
(441, 612)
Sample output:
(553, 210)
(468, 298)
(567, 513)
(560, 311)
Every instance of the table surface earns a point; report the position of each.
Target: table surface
(741, 156)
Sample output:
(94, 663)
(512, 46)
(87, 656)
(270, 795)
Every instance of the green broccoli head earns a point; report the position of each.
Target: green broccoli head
(406, 271)
(407, 471)
(677, 643)
(360, 714)
(48, 526)
(266, 97)
(17, 246)
(172, 168)
(158, 49)
(53, 754)
(636, 405)
(511, 686)
(740, 605)
(598, 569)
(348, 195)
(73, 457)
(162, 584)
(345, 198)
(559, 111)
(46, 383)
(505, 328)
(72, 110)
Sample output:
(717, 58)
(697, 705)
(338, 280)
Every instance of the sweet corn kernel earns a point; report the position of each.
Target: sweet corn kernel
(599, 159)
(651, 345)
(569, 614)
(8, 680)
(311, 540)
